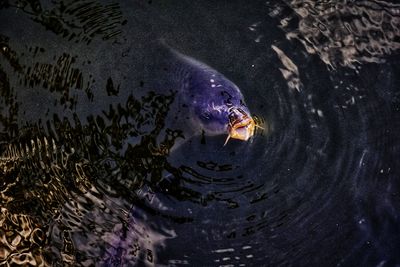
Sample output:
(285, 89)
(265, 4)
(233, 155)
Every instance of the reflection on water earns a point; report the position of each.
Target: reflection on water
(345, 32)
(98, 168)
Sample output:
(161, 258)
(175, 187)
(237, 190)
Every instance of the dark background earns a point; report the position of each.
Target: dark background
(90, 176)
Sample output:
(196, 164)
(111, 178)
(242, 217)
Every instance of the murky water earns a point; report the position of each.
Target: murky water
(98, 169)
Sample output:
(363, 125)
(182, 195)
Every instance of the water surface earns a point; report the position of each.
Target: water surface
(90, 173)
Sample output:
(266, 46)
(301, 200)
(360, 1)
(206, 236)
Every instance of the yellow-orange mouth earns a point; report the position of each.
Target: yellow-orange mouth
(243, 129)
(241, 126)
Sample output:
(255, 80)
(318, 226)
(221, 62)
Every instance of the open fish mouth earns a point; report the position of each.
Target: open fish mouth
(241, 126)
(243, 129)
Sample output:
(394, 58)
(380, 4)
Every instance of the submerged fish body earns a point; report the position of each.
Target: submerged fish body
(57, 135)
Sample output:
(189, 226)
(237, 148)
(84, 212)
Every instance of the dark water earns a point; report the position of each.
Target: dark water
(90, 175)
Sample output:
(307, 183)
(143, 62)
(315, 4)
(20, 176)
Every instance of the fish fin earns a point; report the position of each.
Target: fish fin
(258, 126)
(227, 139)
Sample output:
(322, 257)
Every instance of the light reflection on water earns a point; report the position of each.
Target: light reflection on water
(90, 170)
